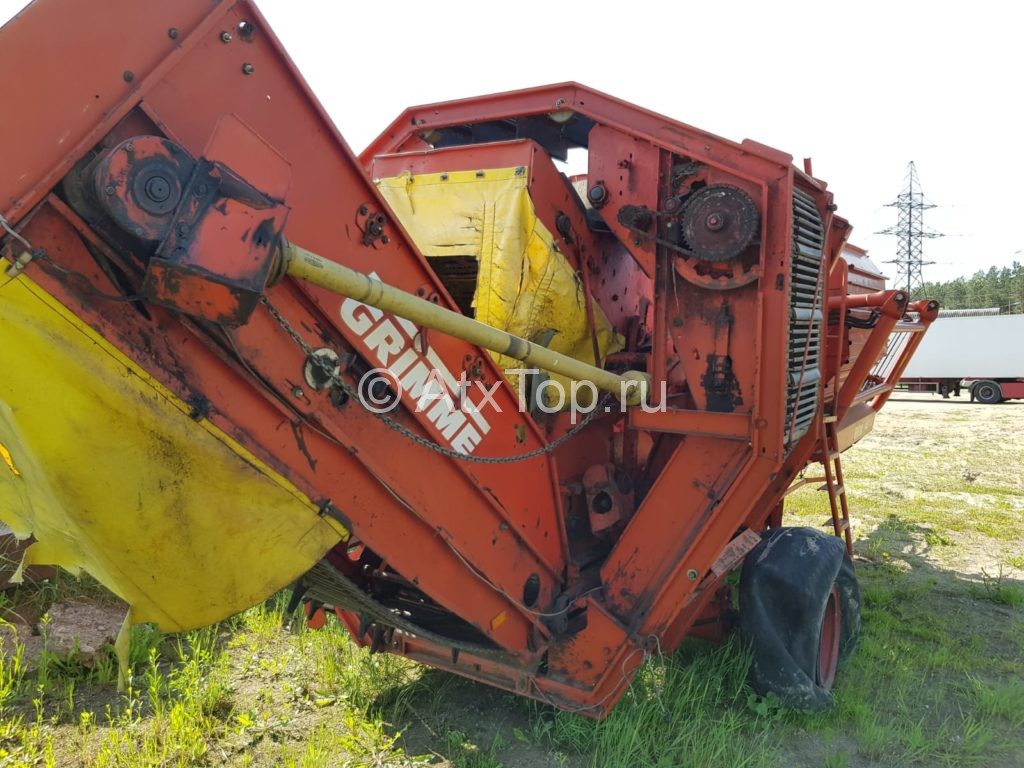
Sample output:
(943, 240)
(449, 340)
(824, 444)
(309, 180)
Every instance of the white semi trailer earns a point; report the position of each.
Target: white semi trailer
(984, 354)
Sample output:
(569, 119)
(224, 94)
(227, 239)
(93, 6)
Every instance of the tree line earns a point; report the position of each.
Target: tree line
(995, 287)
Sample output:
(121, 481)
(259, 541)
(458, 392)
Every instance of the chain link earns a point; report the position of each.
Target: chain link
(345, 387)
(327, 584)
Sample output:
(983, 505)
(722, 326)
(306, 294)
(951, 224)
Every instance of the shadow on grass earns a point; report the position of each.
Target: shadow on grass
(934, 682)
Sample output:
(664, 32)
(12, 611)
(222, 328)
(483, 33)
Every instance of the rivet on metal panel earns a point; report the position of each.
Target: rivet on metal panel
(128, 75)
(297, 392)
(173, 33)
(248, 69)
(692, 574)
(225, 37)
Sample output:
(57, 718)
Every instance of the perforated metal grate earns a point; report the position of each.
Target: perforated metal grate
(805, 318)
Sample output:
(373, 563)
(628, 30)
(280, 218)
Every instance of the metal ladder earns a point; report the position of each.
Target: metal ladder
(834, 484)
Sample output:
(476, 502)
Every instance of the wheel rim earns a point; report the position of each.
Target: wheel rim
(986, 392)
(828, 645)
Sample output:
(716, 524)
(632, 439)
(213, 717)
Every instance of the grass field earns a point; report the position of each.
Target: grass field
(937, 495)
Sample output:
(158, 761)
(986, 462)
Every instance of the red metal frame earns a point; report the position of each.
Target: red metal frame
(471, 537)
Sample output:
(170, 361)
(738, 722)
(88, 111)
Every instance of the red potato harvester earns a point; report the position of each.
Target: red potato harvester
(505, 423)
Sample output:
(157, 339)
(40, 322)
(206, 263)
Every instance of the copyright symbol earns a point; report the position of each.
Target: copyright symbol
(379, 391)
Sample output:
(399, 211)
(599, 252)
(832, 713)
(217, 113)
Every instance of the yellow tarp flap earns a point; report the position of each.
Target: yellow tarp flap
(524, 285)
(104, 466)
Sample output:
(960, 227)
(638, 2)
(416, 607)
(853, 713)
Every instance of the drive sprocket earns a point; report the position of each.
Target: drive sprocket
(719, 222)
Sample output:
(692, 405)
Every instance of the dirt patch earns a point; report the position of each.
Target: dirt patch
(82, 629)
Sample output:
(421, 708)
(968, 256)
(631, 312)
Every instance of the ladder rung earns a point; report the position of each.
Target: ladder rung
(830, 419)
(833, 455)
(839, 524)
(839, 490)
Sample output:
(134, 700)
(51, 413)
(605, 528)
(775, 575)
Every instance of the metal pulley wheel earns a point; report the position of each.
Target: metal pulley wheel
(719, 222)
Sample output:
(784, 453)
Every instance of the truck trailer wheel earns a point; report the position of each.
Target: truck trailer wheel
(988, 392)
(800, 613)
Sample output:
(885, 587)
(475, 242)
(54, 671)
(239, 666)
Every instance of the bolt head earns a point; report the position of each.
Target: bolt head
(597, 194)
(248, 69)
(225, 37)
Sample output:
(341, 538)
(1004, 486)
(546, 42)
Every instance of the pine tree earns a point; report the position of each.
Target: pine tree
(994, 287)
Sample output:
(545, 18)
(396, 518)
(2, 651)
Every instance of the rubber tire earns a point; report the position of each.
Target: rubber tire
(993, 393)
(784, 588)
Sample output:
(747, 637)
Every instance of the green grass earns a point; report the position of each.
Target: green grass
(937, 680)
(304, 698)
(692, 709)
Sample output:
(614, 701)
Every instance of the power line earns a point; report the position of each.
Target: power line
(910, 232)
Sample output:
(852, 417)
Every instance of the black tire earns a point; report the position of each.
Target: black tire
(988, 392)
(785, 587)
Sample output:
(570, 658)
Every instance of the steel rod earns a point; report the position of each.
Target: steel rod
(632, 386)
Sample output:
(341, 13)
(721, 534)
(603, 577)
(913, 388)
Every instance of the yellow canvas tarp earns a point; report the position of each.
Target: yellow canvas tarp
(525, 286)
(105, 467)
